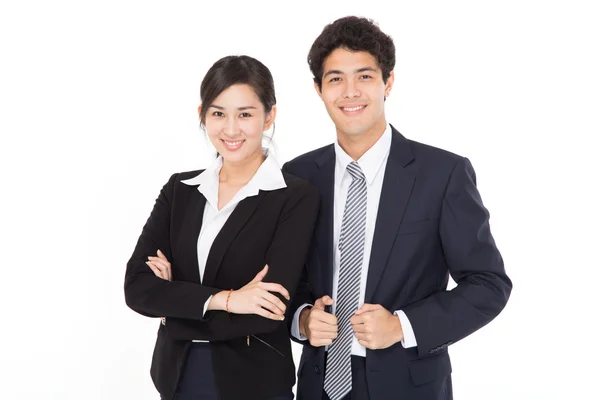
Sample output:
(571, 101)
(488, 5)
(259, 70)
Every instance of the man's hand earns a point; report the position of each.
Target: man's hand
(319, 326)
(375, 327)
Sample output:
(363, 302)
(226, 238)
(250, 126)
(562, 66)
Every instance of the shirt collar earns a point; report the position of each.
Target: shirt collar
(268, 177)
(371, 161)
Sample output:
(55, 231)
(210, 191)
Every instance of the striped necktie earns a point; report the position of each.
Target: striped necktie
(338, 376)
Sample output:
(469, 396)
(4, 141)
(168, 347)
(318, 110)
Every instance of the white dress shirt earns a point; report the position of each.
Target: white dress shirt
(372, 164)
(267, 177)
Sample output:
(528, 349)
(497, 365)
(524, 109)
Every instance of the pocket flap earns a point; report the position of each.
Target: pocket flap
(430, 368)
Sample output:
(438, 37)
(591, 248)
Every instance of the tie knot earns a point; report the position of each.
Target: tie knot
(355, 171)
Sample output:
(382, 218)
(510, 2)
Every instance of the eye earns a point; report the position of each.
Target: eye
(245, 115)
(335, 79)
(366, 77)
(218, 114)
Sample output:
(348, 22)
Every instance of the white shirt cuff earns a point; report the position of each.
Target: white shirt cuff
(296, 323)
(206, 306)
(409, 335)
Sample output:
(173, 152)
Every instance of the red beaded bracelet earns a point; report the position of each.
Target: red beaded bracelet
(227, 302)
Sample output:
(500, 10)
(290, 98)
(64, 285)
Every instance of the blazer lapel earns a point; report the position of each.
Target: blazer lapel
(188, 244)
(397, 185)
(324, 235)
(236, 221)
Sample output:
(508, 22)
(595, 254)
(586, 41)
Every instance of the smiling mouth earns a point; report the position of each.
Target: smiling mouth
(353, 109)
(232, 144)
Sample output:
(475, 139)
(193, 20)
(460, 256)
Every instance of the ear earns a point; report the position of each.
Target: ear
(389, 84)
(318, 90)
(270, 118)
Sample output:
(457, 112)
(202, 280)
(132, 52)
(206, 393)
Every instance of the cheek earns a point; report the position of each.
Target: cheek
(253, 128)
(213, 127)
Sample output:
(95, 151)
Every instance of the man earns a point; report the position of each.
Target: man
(397, 217)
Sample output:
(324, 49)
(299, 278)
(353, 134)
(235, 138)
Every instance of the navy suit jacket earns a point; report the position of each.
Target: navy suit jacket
(431, 223)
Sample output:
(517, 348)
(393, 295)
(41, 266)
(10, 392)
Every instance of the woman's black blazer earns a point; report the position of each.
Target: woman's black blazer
(274, 228)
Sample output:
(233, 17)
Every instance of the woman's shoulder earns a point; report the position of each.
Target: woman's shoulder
(182, 176)
(299, 186)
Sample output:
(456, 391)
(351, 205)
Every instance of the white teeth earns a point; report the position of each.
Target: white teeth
(232, 143)
(353, 108)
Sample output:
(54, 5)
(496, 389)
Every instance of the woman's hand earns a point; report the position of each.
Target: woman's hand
(160, 266)
(254, 298)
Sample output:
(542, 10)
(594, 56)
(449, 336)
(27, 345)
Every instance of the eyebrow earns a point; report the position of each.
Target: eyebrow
(358, 71)
(239, 108)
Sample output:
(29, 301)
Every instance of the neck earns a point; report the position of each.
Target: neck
(240, 173)
(357, 145)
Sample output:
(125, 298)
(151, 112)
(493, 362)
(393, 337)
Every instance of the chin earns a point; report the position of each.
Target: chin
(354, 129)
(233, 158)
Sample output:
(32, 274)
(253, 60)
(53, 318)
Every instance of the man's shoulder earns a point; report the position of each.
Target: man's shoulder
(307, 159)
(431, 154)
(312, 156)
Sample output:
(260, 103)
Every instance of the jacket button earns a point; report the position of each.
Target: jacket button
(317, 369)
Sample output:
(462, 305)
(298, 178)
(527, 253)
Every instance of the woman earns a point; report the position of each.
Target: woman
(211, 239)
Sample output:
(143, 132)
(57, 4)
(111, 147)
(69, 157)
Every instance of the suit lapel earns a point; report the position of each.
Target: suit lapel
(236, 221)
(188, 246)
(397, 185)
(325, 181)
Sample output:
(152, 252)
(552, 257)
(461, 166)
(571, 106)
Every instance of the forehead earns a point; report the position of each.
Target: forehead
(347, 61)
(238, 95)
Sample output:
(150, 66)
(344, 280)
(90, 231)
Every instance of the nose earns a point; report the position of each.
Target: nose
(351, 89)
(232, 127)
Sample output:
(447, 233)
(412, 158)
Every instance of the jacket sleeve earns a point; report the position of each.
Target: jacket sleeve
(285, 257)
(148, 294)
(475, 264)
(303, 294)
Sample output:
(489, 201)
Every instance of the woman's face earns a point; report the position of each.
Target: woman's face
(235, 123)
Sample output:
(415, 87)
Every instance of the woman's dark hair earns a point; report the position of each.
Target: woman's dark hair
(354, 34)
(233, 70)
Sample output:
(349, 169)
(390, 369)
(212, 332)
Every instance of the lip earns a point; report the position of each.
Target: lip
(232, 145)
(353, 109)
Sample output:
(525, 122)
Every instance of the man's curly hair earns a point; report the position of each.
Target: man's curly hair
(354, 34)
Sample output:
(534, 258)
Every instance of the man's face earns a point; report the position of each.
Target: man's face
(353, 92)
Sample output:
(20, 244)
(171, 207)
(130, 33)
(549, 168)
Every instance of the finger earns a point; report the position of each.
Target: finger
(321, 342)
(260, 276)
(163, 270)
(164, 265)
(365, 344)
(161, 255)
(320, 334)
(359, 319)
(319, 326)
(276, 288)
(328, 301)
(323, 301)
(361, 328)
(319, 305)
(267, 314)
(271, 307)
(367, 307)
(160, 261)
(154, 269)
(363, 336)
(274, 300)
(161, 267)
(157, 270)
(323, 316)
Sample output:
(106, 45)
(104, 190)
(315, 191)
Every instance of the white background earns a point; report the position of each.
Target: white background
(98, 108)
